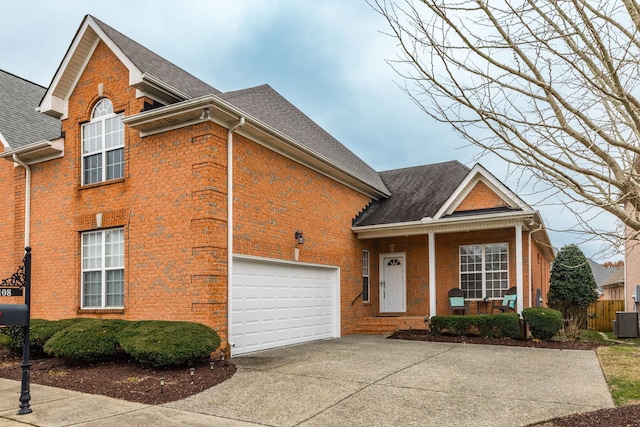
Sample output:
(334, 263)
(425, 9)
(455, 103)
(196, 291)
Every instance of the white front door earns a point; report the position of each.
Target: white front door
(393, 295)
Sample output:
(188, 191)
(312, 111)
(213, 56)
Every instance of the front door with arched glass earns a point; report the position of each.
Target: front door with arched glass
(393, 295)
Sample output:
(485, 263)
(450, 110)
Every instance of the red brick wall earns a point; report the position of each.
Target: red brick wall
(274, 197)
(480, 197)
(172, 205)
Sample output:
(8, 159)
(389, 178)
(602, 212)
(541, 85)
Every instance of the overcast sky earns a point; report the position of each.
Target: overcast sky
(326, 57)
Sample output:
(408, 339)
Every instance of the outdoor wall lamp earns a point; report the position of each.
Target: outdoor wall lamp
(206, 114)
(299, 237)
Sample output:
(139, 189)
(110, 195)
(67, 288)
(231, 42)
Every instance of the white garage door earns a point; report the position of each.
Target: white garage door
(275, 303)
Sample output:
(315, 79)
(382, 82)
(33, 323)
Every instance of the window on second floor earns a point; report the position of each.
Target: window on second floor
(102, 145)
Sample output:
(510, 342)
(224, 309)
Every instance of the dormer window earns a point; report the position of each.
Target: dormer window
(102, 145)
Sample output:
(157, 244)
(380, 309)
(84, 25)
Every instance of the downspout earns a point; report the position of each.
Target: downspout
(530, 278)
(27, 200)
(230, 224)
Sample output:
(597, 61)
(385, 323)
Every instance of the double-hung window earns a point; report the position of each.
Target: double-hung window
(102, 145)
(365, 276)
(103, 269)
(484, 270)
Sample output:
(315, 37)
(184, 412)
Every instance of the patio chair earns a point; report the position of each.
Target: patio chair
(508, 302)
(457, 302)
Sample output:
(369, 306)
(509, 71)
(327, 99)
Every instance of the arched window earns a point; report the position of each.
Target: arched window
(102, 145)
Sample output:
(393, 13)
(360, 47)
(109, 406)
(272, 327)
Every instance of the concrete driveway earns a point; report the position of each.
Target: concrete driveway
(354, 381)
(373, 381)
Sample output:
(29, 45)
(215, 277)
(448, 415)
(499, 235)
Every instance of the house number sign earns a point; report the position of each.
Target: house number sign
(10, 292)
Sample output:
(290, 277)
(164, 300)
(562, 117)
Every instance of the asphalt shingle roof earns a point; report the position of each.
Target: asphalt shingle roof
(156, 66)
(268, 106)
(20, 123)
(417, 192)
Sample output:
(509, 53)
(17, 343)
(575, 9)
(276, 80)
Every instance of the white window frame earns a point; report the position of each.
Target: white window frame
(366, 282)
(487, 270)
(96, 145)
(99, 260)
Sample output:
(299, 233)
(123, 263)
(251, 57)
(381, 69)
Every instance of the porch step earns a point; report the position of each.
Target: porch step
(388, 325)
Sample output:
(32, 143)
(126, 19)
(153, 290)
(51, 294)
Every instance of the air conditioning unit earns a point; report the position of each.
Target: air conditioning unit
(626, 324)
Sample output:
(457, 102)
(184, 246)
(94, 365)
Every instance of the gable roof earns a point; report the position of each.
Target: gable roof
(186, 96)
(416, 192)
(151, 64)
(153, 75)
(268, 106)
(20, 123)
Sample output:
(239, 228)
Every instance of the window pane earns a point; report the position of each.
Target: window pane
(471, 285)
(93, 169)
(365, 289)
(91, 251)
(365, 263)
(102, 108)
(115, 164)
(91, 137)
(114, 248)
(113, 132)
(92, 289)
(115, 288)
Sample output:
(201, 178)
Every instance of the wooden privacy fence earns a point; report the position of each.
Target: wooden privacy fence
(601, 314)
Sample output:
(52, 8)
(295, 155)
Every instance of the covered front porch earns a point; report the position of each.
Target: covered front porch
(412, 270)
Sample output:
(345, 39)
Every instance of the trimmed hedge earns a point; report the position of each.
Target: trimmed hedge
(91, 340)
(159, 343)
(42, 330)
(543, 322)
(486, 325)
(152, 343)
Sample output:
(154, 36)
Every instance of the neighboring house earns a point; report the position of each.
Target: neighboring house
(610, 281)
(156, 196)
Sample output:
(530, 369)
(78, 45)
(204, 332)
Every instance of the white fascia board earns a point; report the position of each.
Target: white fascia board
(37, 152)
(89, 32)
(476, 174)
(444, 225)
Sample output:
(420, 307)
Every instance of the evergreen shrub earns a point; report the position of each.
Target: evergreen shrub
(88, 341)
(486, 325)
(543, 322)
(160, 344)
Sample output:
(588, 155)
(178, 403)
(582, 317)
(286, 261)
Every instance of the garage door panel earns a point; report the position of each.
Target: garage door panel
(277, 303)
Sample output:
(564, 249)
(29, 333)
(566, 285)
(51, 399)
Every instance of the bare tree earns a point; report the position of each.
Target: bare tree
(549, 86)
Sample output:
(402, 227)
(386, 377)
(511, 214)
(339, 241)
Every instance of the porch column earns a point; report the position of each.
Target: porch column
(519, 277)
(432, 274)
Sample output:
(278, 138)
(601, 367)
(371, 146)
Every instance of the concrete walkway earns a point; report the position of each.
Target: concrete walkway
(355, 381)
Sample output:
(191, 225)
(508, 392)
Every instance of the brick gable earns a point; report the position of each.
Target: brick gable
(481, 197)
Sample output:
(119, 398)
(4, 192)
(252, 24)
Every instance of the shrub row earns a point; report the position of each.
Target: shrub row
(486, 325)
(152, 343)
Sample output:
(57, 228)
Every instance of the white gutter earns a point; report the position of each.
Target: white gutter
(27, 200)
(230, 224)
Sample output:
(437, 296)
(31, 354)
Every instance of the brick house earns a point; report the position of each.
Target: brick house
(145, 193)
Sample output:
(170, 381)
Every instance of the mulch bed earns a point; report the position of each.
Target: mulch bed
(122, 379)
(622, 416)
(424, 335)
